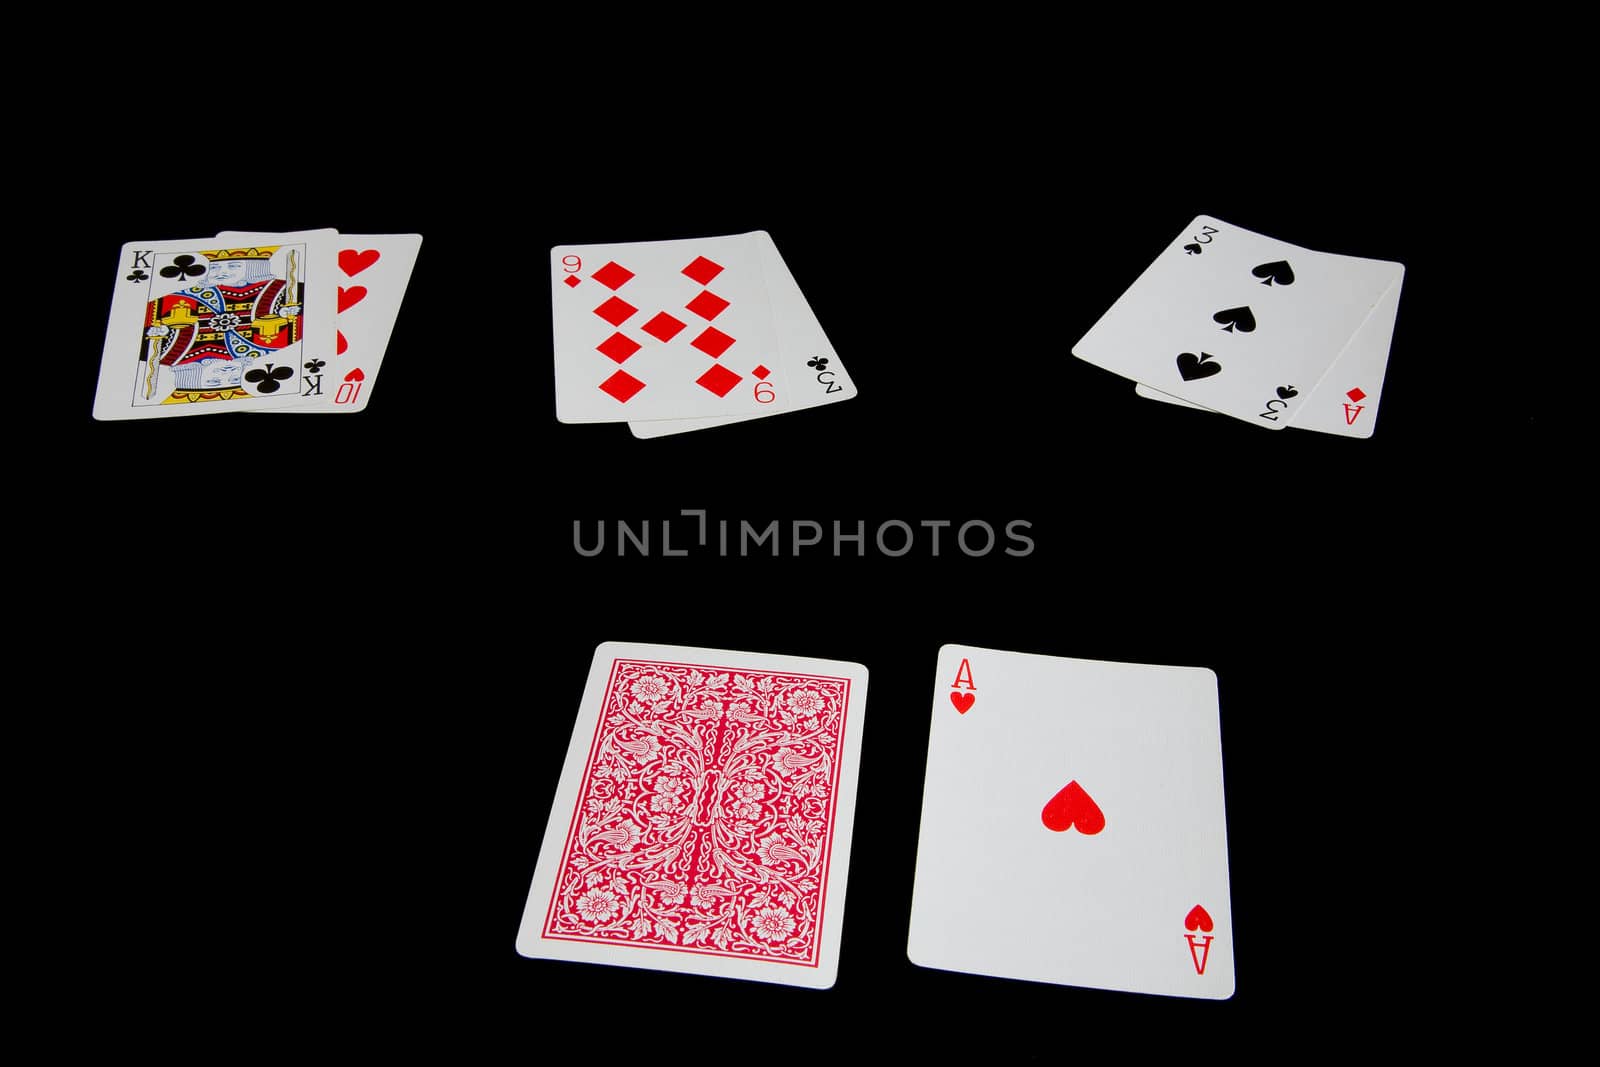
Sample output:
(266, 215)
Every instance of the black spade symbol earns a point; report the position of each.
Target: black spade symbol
(1278, 271)
(1193, 367)
(1236, 318)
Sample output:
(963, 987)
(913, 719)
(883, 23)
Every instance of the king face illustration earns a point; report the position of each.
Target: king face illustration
(212, 335)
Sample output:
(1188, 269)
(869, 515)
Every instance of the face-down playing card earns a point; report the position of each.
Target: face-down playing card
(1072, 825)
(1237, 322)
(662, 330)
(702, 822)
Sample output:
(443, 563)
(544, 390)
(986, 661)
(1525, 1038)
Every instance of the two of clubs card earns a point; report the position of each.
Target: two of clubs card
(673, 336)
(1073, 829)
(251, 322)
(1265, 331)
(1072, 824)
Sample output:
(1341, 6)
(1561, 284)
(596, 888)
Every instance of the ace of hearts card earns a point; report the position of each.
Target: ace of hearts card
(703, 818)
(1073, 827)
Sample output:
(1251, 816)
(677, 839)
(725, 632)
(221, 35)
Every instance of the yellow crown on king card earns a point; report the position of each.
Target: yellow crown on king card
(262, 252)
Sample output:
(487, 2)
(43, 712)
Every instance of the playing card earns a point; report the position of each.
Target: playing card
(1345, 401)
(201, 326)
(702, 821)
(809, 361)
(662, 330)
(373, 272)
(1237, 322)
(1072, 825)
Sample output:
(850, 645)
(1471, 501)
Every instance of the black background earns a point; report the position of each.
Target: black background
(357, 642)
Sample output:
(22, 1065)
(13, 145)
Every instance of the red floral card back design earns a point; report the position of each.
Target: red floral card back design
(705, 819)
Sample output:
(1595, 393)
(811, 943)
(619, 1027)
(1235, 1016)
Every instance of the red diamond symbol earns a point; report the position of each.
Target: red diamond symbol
(761, 372)
(618, 347)
(712, 341)
(615, 311)
(1356, 396)
(621, 386)
(707, 305)
(612, 276)
(702, 270)
(663, 327)
(718, 379)
(571, 281)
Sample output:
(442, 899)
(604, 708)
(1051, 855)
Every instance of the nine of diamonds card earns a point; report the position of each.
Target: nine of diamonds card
(672, 336)
(1073, 828)
(703, 817)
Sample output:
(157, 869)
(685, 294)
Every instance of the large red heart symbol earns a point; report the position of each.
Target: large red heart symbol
(963, 701)
(352, 296)
(1197, 919)
(353, 262)
(355, 376)
(1073, 806)
(342, 345)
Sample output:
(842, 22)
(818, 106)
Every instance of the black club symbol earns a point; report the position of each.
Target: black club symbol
(183, 267)
(819, 362)
(138, 276)
(314, 365)
(269, 380)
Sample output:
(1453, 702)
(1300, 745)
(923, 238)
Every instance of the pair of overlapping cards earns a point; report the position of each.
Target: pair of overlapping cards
(1072, 832)
(1259, 329)
(251, 322)
(672, 336)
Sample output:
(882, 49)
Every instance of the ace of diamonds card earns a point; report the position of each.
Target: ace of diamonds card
(1072, 825)
(702, 822)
